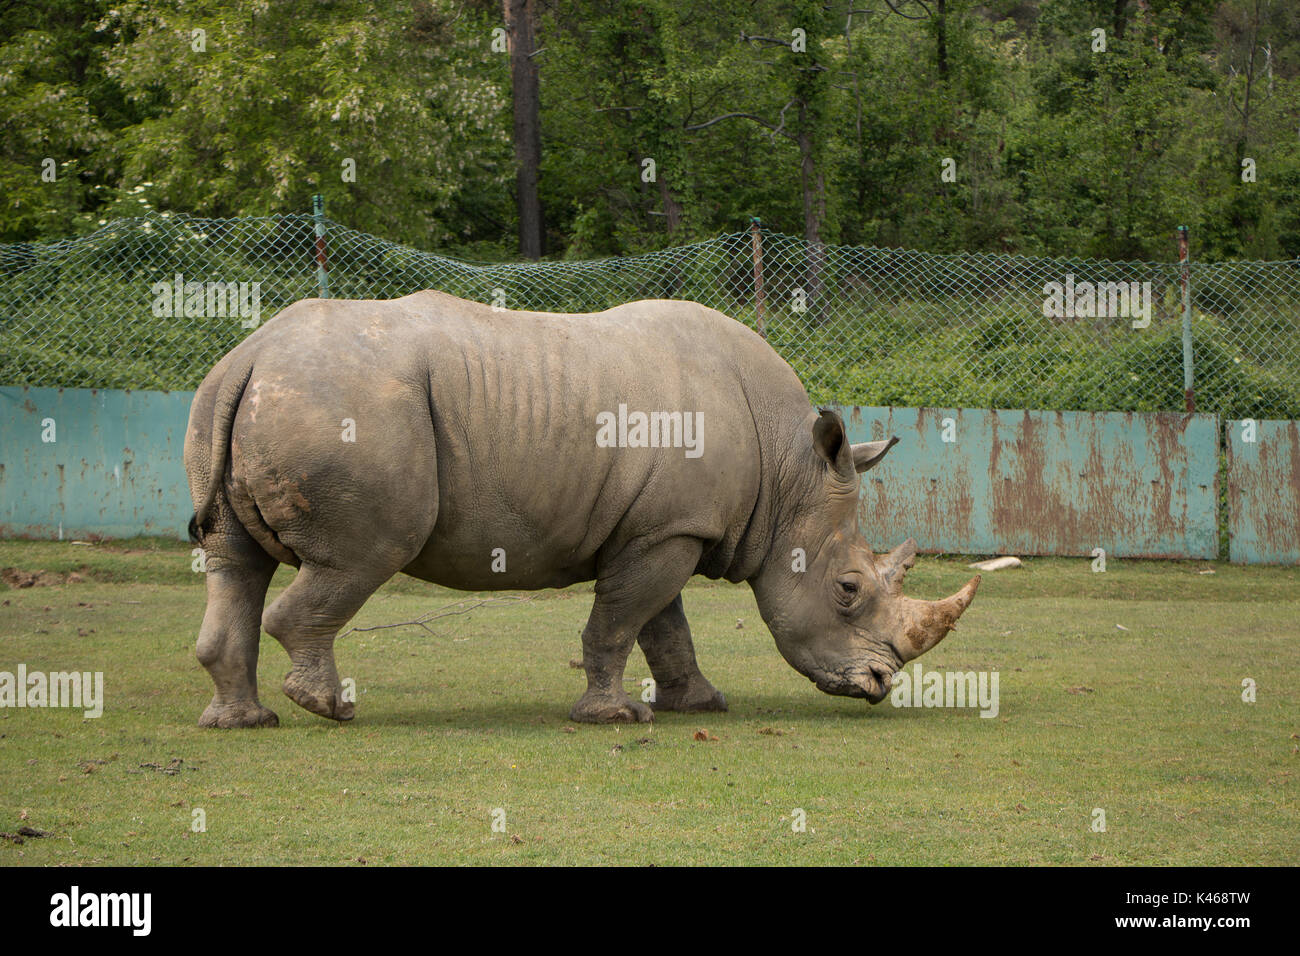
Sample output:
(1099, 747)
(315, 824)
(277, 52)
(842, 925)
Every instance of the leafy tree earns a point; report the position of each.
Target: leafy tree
(57, 111)
(255, 108)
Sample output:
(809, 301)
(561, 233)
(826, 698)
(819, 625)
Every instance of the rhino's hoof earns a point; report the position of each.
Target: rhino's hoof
(317, 697)
(692, 699)
(240, 713)
(603, 710)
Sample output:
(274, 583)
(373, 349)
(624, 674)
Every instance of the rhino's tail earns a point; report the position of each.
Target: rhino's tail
(229, 394)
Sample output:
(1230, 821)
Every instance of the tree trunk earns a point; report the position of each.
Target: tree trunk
(1243, 140)
(1117, 19)
(672, 208)
(520, 20)
(813, 186)
(941, 39)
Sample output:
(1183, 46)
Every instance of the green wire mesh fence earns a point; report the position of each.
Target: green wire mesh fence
(153, 303)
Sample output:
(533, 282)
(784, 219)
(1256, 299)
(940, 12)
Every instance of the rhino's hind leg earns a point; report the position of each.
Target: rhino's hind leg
(679, 685)
(305, 619)
(631, 588)
(238, 573)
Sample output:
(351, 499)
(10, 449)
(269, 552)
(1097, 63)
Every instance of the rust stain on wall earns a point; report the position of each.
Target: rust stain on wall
(1035, 482)
(1264, 492)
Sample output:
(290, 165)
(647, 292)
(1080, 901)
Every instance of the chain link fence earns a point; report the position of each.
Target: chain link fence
(153, 303)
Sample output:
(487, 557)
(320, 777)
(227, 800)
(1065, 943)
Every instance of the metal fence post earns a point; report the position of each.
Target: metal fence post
(1183, 258)
(322, 262)
(756, 240)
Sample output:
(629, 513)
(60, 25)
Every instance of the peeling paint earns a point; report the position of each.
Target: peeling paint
(1041, 482)
(1264, 492)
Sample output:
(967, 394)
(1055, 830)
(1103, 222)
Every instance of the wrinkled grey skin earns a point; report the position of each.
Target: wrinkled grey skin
(475, 430)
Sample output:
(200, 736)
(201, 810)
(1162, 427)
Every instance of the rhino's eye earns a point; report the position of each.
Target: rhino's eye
(846, 588)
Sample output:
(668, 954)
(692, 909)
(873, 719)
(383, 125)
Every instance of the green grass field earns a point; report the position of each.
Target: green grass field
(1146, 723)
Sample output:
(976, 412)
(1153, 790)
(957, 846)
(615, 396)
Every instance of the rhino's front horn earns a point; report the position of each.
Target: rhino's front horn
(926, 623)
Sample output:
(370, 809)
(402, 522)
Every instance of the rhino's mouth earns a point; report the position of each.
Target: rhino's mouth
(870, 681)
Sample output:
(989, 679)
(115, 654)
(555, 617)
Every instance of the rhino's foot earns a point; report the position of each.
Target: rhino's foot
(312, 692)
(594, 709)
(238, 713)
(696, 694)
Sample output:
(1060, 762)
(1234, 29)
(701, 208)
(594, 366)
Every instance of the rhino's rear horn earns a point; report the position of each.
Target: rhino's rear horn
(926, 623)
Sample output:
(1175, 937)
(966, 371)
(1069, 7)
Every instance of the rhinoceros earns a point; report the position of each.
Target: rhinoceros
(482, 449)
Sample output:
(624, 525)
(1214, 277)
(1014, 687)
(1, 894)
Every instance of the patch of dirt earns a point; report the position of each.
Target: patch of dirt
(173, 767)
(25, 833)
(92, 765)
(17, 578)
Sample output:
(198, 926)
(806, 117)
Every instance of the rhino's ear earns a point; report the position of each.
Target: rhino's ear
(831, 443)
(868, 454)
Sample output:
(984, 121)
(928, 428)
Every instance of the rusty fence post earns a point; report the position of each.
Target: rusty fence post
(322, 261)
(756, 241)
(1185, 281)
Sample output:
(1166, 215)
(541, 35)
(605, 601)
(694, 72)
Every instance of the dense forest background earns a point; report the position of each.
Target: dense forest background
(495, 128)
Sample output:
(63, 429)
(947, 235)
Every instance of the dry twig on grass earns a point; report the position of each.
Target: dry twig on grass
(450, 610)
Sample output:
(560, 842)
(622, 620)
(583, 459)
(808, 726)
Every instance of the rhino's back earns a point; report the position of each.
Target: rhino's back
(506, 407)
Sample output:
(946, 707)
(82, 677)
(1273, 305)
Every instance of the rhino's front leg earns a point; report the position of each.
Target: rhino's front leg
(679, 685)
(631, 588)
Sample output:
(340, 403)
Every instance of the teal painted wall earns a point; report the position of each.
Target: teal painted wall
(113, 469)
(1033, 482)
(1012, 482)
(1264, 492)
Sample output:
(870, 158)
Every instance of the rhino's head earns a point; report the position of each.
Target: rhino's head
(842, 621)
